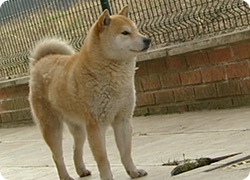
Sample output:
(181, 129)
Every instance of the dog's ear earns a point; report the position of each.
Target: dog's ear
(124, 11)
(104, 18)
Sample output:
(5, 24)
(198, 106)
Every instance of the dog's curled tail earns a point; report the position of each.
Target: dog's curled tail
(49, 46)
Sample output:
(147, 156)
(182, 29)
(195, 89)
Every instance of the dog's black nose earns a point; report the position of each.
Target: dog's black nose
(147, 41)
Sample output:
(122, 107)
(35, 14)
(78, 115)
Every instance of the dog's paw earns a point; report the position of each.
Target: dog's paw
(68, 178)
(85, 172)
(138, 173)
(110, 178)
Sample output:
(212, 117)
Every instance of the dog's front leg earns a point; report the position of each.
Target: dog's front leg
(123, 137)
(96, 137)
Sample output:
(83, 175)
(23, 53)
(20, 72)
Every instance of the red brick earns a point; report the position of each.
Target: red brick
(21, 103)
(157, 66)
(21, 115)
(17, 91)
(22, 90)
(8, 105)
(228, 88)
(199, 105)
(240, 101)
(138, 85)
(241, 51)
(144, 99)
(220, 55)
(205, 91)
(184, 94)
(179, 108)
(217, 103)
(1, 106)
(191, 77)
(6, 117)
(216, 73)
(238, 69)
(176, 63)
(197, 59)
(164, 97)
(150, 83)
(142, 68)
(158, 110)
(2, 94)
(11, 92)
(245, 86)
(221, 103)
(141, 111)
(170, 80)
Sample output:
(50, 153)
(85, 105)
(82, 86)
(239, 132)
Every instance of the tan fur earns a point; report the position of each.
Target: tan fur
(88, 91)
(50, 46)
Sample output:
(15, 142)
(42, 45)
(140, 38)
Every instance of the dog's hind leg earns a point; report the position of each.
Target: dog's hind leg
(79, 136)
(51, 127)
(96, 137)
(53, 136)
(123, 136)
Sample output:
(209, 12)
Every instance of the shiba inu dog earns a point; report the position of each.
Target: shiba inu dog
(88, 91)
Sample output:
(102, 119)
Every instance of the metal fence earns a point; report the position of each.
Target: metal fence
(23, 22)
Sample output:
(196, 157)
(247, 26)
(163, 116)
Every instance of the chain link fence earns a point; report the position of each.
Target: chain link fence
(23, 22)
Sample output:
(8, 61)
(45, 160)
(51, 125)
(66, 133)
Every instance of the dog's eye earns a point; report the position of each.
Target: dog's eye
(125, 33)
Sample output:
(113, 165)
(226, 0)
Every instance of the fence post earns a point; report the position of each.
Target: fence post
(105, 5)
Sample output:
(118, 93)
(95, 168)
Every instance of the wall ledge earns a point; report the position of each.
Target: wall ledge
(14, 82)
(196, 45)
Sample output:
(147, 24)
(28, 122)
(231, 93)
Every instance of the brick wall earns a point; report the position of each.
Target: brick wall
(14, 105)
(212, 78)
(212, 73)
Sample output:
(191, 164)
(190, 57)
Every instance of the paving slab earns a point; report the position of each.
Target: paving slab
(156, 140)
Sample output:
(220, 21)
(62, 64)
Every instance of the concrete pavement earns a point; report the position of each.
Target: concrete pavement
(156, 140)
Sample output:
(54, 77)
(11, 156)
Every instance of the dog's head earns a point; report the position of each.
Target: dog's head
(117, 36)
